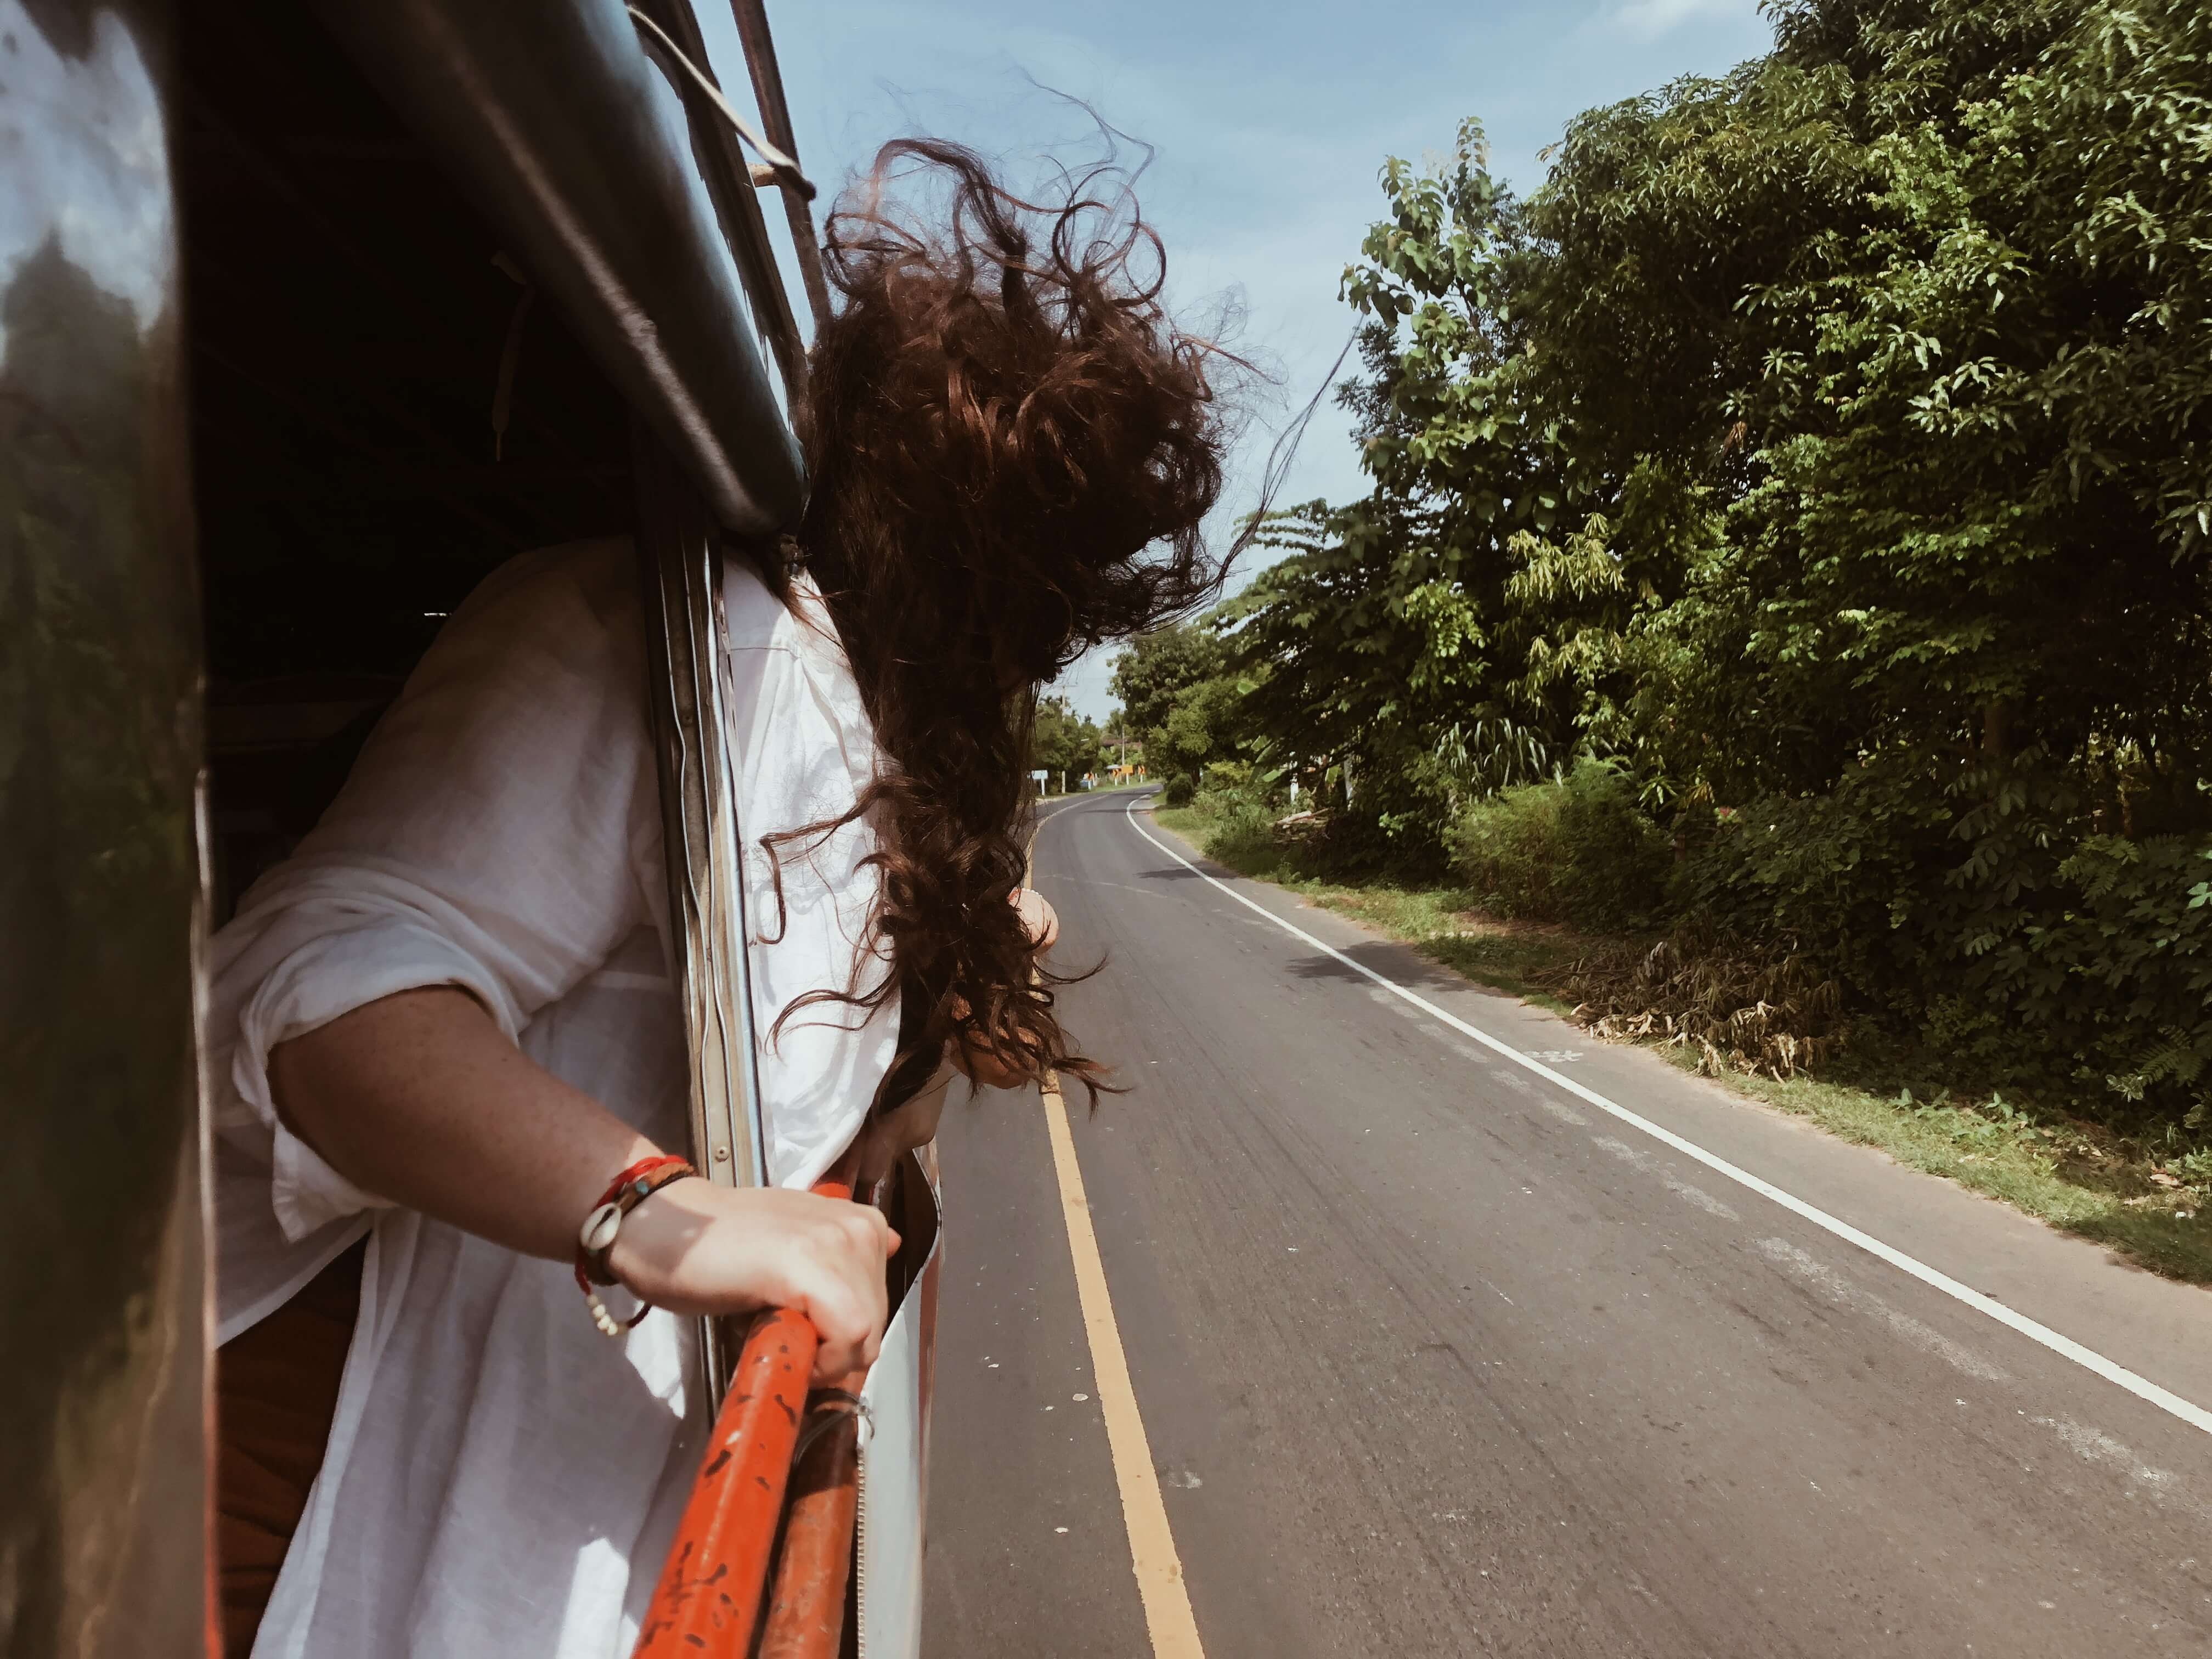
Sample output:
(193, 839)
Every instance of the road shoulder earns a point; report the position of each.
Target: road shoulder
(2150, 1202)
(2157, 1327)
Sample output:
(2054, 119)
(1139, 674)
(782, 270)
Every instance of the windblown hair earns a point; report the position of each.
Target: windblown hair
(1011, 448)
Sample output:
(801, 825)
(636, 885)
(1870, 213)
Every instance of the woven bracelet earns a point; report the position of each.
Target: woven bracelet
(596, 1237)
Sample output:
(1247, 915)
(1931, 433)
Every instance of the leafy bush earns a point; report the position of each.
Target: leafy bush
(1243, 834)
(2118, 985)
(2080, 968)
(1506, 848)
(1179, 790)
(1848, 874)
(1577, 849)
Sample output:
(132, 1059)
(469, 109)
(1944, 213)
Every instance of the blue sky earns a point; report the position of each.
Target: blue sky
(1269, 122)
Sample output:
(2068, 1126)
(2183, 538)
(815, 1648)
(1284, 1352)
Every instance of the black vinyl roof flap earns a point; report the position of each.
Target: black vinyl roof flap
(551, 114)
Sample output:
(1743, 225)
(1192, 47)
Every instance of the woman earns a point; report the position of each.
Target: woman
(445, 1026)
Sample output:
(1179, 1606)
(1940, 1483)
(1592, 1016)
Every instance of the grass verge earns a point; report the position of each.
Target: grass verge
(2077, 1178)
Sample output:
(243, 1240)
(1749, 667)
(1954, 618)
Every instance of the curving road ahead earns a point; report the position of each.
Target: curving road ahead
(1435, 1355)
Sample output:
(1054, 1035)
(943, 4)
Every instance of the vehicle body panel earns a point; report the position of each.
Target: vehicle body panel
(895, 1453)
(104, 1323)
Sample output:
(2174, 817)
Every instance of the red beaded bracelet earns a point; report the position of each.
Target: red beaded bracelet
(596, 1237)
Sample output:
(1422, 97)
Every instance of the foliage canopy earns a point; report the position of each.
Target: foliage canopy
(1829, 448)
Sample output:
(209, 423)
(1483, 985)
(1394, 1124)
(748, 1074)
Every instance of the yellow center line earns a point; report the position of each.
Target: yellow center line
(1144, 1513)
(1167, 1617)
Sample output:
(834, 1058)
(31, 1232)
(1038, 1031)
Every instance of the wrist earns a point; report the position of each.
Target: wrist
(647, 1256)
(604, 1226)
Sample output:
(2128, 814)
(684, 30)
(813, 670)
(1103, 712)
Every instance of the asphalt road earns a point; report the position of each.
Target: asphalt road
(1436, 1357)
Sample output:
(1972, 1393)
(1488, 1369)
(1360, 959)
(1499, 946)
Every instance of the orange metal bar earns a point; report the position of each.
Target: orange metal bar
(709, 1599)
(709, 1595)
(806, 1614)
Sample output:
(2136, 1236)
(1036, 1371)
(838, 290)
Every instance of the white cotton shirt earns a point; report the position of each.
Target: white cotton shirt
(501, 1478)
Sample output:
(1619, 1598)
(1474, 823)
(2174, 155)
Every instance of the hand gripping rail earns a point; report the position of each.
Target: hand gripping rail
(709, 1599)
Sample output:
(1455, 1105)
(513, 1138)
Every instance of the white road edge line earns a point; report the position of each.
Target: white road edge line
(2065, 1346)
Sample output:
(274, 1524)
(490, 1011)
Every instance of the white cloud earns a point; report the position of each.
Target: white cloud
(1647, 19)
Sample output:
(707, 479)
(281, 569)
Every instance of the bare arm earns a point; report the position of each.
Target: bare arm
(420, 1098)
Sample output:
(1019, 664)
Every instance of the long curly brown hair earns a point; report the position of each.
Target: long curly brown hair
(1011, 448)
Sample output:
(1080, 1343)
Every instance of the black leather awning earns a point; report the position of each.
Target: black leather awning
(552, 116)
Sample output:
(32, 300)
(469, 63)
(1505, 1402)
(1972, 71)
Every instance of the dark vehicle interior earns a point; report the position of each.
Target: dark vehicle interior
(383, 410)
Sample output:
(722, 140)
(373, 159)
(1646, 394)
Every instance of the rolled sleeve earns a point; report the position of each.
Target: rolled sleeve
(364, 959)
(484, 841)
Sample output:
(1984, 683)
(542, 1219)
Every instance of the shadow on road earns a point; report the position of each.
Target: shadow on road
(1396, 963)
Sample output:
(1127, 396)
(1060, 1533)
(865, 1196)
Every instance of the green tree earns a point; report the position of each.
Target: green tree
(1062, 741)
(1389, 643)
(1200, 727)
(1832, 442)
(1178, 699)
(1947, 417)
(1154, 668)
